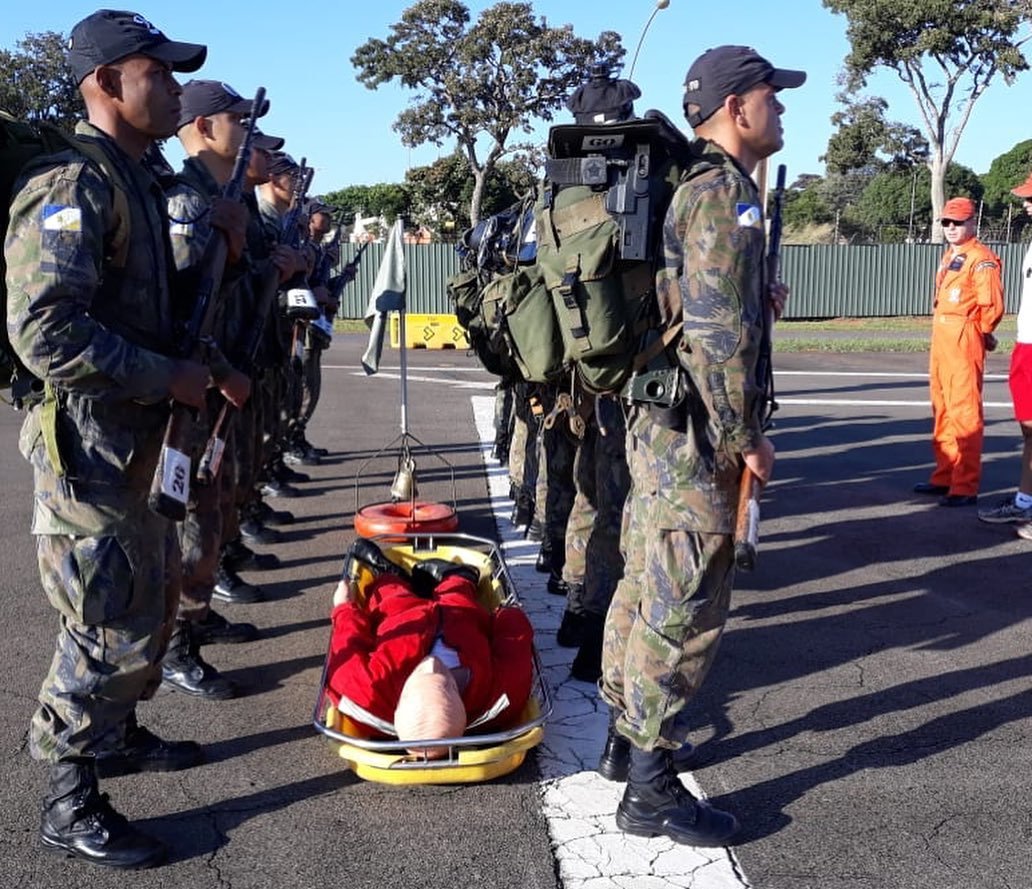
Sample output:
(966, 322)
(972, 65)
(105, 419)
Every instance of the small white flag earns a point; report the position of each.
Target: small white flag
(388, 296)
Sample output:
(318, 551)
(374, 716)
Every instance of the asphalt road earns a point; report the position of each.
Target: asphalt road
(868, 718)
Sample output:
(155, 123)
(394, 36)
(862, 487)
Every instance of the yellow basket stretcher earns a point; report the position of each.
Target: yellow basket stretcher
(472, 757)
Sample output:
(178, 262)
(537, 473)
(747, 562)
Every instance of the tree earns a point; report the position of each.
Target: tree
(896, 204)
(1008, 170)
(480, 83)
(36, 84)
(945, 51)
(386, 199)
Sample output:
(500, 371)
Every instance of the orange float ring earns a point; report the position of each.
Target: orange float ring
(421, 517)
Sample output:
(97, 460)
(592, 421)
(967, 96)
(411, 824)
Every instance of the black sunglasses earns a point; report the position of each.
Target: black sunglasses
(946, 223)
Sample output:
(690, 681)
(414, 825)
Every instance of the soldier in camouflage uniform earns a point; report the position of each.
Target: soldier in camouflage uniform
(593, 564)
(211, 129)
(553, 497)
(282, 385)
(523, 459)
(301, 450)
(90, 312)
(669, 611)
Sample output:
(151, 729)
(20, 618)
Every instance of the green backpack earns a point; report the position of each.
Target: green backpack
(501, 300)
(20, 143)
(599, 218)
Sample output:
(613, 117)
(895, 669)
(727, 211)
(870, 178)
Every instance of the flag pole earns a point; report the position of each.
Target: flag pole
(403, 351)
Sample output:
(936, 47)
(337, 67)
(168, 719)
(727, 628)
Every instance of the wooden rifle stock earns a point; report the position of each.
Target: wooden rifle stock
(170, 487)
(747, 520)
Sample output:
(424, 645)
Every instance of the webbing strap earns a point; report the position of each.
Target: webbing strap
(48, 429)
(658, 345)
(573, 314)
(120, 237)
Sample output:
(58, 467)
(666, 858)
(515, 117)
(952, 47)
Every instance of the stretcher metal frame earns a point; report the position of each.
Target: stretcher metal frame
(474, 757)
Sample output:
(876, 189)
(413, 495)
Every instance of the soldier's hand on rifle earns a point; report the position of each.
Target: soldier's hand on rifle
(236, 388)
(230, 218)
(778, 298)
(288, 261)
(760, 461)
(189, 383)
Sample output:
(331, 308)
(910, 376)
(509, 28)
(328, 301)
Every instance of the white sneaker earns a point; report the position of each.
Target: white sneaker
(1025, 531)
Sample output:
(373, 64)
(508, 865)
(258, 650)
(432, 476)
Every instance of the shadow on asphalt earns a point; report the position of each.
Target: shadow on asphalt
(944, 594)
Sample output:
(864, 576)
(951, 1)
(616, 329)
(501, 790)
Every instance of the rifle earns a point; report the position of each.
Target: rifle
(170, 488)
(211, 460)
(747, 522)
(347, 274)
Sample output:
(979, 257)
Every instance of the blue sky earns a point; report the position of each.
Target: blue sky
(301, 54)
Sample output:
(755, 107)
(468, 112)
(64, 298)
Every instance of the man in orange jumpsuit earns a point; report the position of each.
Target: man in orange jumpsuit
(968, 306)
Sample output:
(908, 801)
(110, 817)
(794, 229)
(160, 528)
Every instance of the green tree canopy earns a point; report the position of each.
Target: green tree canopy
(386, 199)
(442, 191)
(1008, 170)
(883, 210)
(479, 83)
(36, 84)
(946, 52)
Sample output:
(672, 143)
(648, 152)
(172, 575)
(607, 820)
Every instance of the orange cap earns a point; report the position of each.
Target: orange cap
(1025, 189)
(959, 209)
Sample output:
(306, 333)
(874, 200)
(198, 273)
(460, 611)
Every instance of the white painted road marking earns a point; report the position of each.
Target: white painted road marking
(578, 804)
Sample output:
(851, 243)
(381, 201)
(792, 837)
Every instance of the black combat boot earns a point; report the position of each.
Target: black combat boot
(143, 751)
(522, 510)
(79, 821)
(216, 630)
(656, 803)
(279, 471)
(231, 587)
(543, 565)
(266, 515)
(587, 665)
(556, 585)
(184, 669)
(256, 532)
(615, 761)
(276, 488)
(238, 556)
(571, 630)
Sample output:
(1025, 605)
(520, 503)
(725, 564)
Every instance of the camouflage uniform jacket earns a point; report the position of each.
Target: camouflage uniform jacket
(711, 277)
(100, 336)
(260, 242)
(189, 202)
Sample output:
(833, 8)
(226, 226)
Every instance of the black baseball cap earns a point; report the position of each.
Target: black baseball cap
(266, 142)
(112, 34)
(730, 71)
(281, 162)
(202, 98)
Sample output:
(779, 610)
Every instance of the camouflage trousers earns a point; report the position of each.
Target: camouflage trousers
(249, 435)
(211, 520)
(116, 596)
(273, 392)
(523, 454)
(665, 621)
(555, 491)
(311, 385)
(594, 564)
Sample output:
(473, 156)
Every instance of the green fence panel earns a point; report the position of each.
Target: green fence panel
(826, 281)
